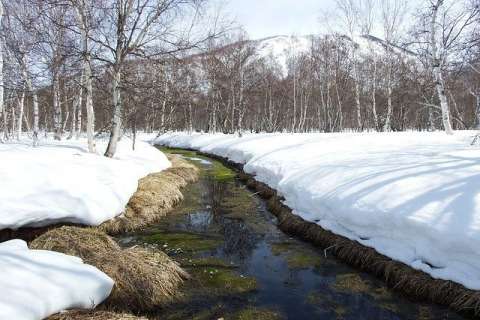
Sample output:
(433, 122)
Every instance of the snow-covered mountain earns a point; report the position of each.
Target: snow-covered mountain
(282, 48)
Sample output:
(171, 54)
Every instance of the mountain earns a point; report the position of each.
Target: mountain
(281, 48)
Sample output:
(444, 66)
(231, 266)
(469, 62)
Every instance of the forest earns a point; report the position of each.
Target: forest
(115, 67)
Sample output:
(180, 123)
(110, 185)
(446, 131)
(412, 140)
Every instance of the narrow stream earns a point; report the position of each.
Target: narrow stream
(244, 267)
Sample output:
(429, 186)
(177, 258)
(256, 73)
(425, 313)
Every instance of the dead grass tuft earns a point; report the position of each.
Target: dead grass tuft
(144, 280)
(94, 315)
(156, 195)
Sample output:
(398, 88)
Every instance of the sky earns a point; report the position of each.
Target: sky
(263, 18)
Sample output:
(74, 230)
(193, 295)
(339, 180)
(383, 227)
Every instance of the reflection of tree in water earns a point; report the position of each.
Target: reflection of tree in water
(198, 221)
(239, 238)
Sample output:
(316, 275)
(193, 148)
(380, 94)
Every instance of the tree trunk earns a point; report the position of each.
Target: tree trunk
(57, 109)
(477, 110)
(83, 23)
(36, 119)
(357, 91)
(437, 71)
(117, 113)
(1, 68)
(388, 119)
(374, 95)
(74, 117)
(190, 118)
(21, 104)
(89, 105)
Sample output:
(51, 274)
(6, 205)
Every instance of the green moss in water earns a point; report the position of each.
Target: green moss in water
(303, 261)
(220, 173)
(207, 313)
(239, 202)
(281, 248)
(183, 152)
(297, 257)
(252, 313)
(183, 241)
(192, 200)
(351, 282)
(223, 279)
(425, 313)
(381, 293)
(208, 262)
(355, 284)
(323, 302)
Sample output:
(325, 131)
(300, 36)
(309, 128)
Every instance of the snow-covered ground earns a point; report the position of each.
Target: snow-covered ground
(59, 181)
(414, 197)
(35, 283)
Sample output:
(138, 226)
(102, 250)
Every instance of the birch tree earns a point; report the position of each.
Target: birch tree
(142, 28)
(349, 14)
(393, 12)
(84, 16)
(1, 64)
(447, 23)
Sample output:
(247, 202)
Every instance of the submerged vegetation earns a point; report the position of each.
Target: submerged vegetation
(297, 257)
(183, 241)
(242, 267)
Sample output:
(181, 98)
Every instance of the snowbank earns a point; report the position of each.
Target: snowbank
(62, 182)
(37, 283)
(414, 197)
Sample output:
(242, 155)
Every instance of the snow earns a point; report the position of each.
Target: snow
(37, 283)
(284, 48)
(414, 197)
(59, 181)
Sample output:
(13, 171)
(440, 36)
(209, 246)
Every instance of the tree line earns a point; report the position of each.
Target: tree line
(115, 67)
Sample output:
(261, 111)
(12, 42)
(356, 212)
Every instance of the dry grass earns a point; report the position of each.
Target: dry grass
(144, 280)
(399, 276)
(94, 315)
(156, 195)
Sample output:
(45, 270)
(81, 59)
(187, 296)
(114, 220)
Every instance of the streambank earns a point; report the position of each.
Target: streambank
(144, 279)
(413, 283)
(242, 266)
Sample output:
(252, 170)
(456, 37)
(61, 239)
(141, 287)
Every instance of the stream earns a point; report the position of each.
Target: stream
(244, 267)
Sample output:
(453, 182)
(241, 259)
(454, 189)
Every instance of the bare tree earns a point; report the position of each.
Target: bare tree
(141, 28)
(349, 13)
(83, 10)
(393, 12)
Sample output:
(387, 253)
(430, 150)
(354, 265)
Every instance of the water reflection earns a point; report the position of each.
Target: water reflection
(291, 279)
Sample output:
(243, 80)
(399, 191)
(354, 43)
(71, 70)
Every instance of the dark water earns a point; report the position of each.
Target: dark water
(244, 267)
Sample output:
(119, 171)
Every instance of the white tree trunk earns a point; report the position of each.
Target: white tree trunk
(374, 95)
(1, 67)
(477, 110)
(74, 117)
(21, 104)
(388, 119)
(36, 119)
(30, 90)
(83, 23)
(190, 118)
(89, 104)
(57, 109)
(437, 71)
(117, 113)
(78, 125)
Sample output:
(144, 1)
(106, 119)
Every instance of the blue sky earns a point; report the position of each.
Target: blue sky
(263, 18)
